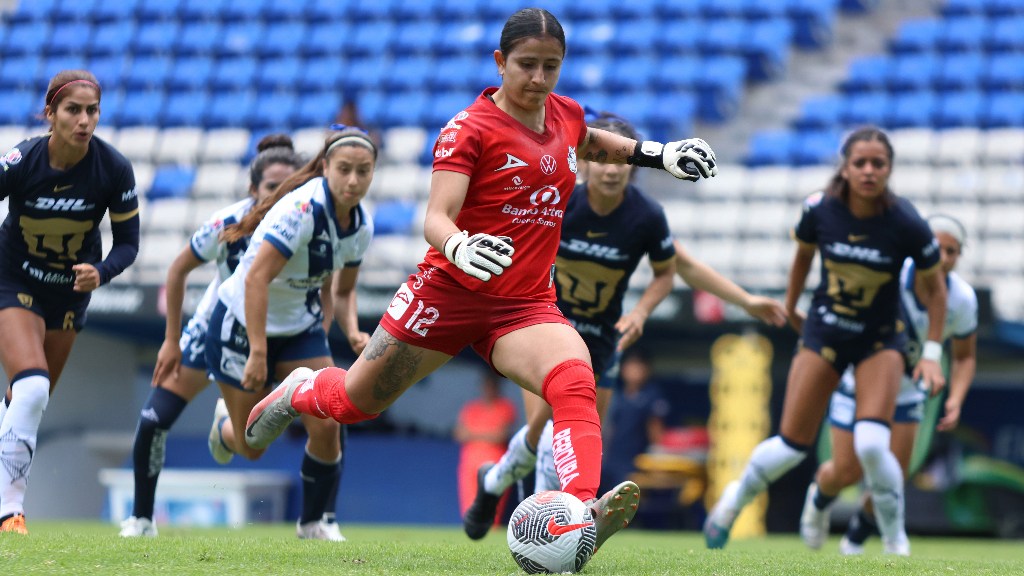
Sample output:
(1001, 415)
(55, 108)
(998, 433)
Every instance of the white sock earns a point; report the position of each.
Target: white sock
(884, 477)
(514, 465)
(18, 439)
(545, 477)
(769, 461)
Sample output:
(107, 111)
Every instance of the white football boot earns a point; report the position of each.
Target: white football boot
(215, 441)
(133, 527)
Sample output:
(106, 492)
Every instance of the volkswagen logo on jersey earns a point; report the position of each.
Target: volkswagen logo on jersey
(545, 195)
(547, 164)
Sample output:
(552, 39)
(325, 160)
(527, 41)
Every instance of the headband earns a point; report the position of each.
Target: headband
(949, 225)
(69, 83)
(353, 139)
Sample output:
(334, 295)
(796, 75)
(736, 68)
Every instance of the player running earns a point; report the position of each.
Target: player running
(60, 185)
(504, 170)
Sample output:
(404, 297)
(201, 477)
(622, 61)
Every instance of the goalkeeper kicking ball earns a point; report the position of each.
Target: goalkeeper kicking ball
(551, 532)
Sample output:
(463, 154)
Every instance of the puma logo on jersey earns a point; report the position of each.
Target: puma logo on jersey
(511, 162)
(60, 204)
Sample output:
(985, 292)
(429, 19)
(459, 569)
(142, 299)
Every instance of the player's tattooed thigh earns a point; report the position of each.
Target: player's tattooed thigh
(400, 364)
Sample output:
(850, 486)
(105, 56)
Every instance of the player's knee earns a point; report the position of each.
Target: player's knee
(573, 378)
(871, 440)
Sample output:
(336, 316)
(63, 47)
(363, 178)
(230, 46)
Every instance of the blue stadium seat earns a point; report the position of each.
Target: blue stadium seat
(74, 11)
(68, 38)
(325, 39)
(150, 10)
(274, 111)
(821, 112)
(111, 38)
(17, 107)
(720, 86)
(760, 10)
(677, 72)
(283, 10)
(190, 73)
(316, 109)
(110, 107)
(23, 72)
(459, 37)
(1005, 72)
(576, 11)
(325, 11)
(584, 73)
(321, 73)
(671, 116)
(676, 35)
(141, 107)
(230, 109)
(367, 12)
(591, 36)
(962, 34)
(415, 37)
(485, 73)
(913, 71)
(198, 38)
(185, 108)
(1003, 109)
(912, 109)
(365, 73)
(55, 64)
(282, 39)
(394, 217)
(39, 11)
(24, 38)
(237, 73)
(371, 105)
(242, 10)
(766, 48)
(770, 147)
(443, 106)
(815, 147)
(409, 73)
(156, 37)
(279, 74)
(240, 38)
(171, 182)
(197, 10)
(109, 70)
(148, 72)
(963, 7)
(631, 73)
(638, 107)
(454, 73)
(633, 36)
(455, 11)
(405, 109)
(865, 108)
(725, 36)
(626, 11)
(867, 73)
(120, 11)
(722, 9)
(961, 71)
(916, 36)
(957, 109)
(813, 21)
(1001, 8)
(1005, 35)
(369, 39)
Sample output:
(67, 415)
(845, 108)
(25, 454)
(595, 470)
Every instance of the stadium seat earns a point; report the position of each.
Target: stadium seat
(671, 115)
(963, 7)
(676, 73)
(241, 38)
(141, 107)
(415, 37)
(409, 73)
(17, 107)
(718, 218)
(766, 48)
(813, 21)
(109, 70)
(178, 145)
(627, 32)
(12, 134)
(243, 10)
(171, 182)
(630, 73)
(770, 147)
(155, 37)
(443, 106)
(459, 37)
(916, 36)
(120, 11)
(820, 112)
(682, 215)
(1005, 35)
(867, 73)
(1003, 109)
(324, 38)
(279, 74)
(452, 73)
(68, 38)
(393, 217)
(958, 184)
(185, 108)
(962, 34)
(370, 104)
(26, 38)
(584, 73)
(190, 73)
(137, 143)
(720, 87)
(591, 37)
(865, 108)
(236, 73)
(959, 109)
(310, 140)
(404, 108)
(913, 72)
(731, 183)
(961, 71)
(365, 73)
(24, 72)
(722, 36)
(282, 39)
(224, 145)
(111, 39)
(148, 72)
(816, 147)
(1003, 182)
(31, 11)
(200, 10)
(152, 10)
(230, 109)
(369, 39)
(1001, 218)
(718, 253)
(402, 144)
(960, 146)
(592, 10)
(274, 111)
(909, 109)
(998, 8)
(767, 218)
(55, 64)
(913, 181)
(198, 38)
(218, 180)
(676, 35)
(1004, 145)
(808, 180)
(316, 109)
(1005, 72)
(321, 73)
(722, 9)
(915, 145)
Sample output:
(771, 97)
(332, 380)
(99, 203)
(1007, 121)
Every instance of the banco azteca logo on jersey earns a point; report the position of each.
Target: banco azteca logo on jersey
(545, 195)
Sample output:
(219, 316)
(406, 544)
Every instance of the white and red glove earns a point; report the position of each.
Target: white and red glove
(479, 255)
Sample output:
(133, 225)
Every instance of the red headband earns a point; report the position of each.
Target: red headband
(90, 82)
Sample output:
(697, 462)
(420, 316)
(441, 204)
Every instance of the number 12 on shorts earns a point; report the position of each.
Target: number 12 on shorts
(420, 319)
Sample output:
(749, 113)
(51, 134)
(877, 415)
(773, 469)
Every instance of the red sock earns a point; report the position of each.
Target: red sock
(327, 398)
(570, 390)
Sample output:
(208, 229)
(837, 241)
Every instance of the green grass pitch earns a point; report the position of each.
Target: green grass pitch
(94, 548)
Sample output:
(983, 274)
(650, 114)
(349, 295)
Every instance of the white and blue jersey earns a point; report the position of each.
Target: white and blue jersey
(304, 228)
(961, 322)
(207, 247)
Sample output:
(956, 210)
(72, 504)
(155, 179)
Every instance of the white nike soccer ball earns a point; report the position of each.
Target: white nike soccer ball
(551, 532)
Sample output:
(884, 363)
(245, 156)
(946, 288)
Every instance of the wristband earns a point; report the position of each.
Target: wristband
(932, 351)
(452, 244)
(647, 154)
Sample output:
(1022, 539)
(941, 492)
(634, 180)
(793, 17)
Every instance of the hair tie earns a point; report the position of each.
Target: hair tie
(66, 84)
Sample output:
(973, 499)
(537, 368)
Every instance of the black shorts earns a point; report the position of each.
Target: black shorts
(60, 309)
(840, 350)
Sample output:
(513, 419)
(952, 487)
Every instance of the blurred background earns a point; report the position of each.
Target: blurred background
(189, 87)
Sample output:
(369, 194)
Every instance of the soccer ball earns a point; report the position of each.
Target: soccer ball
(551, 532)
